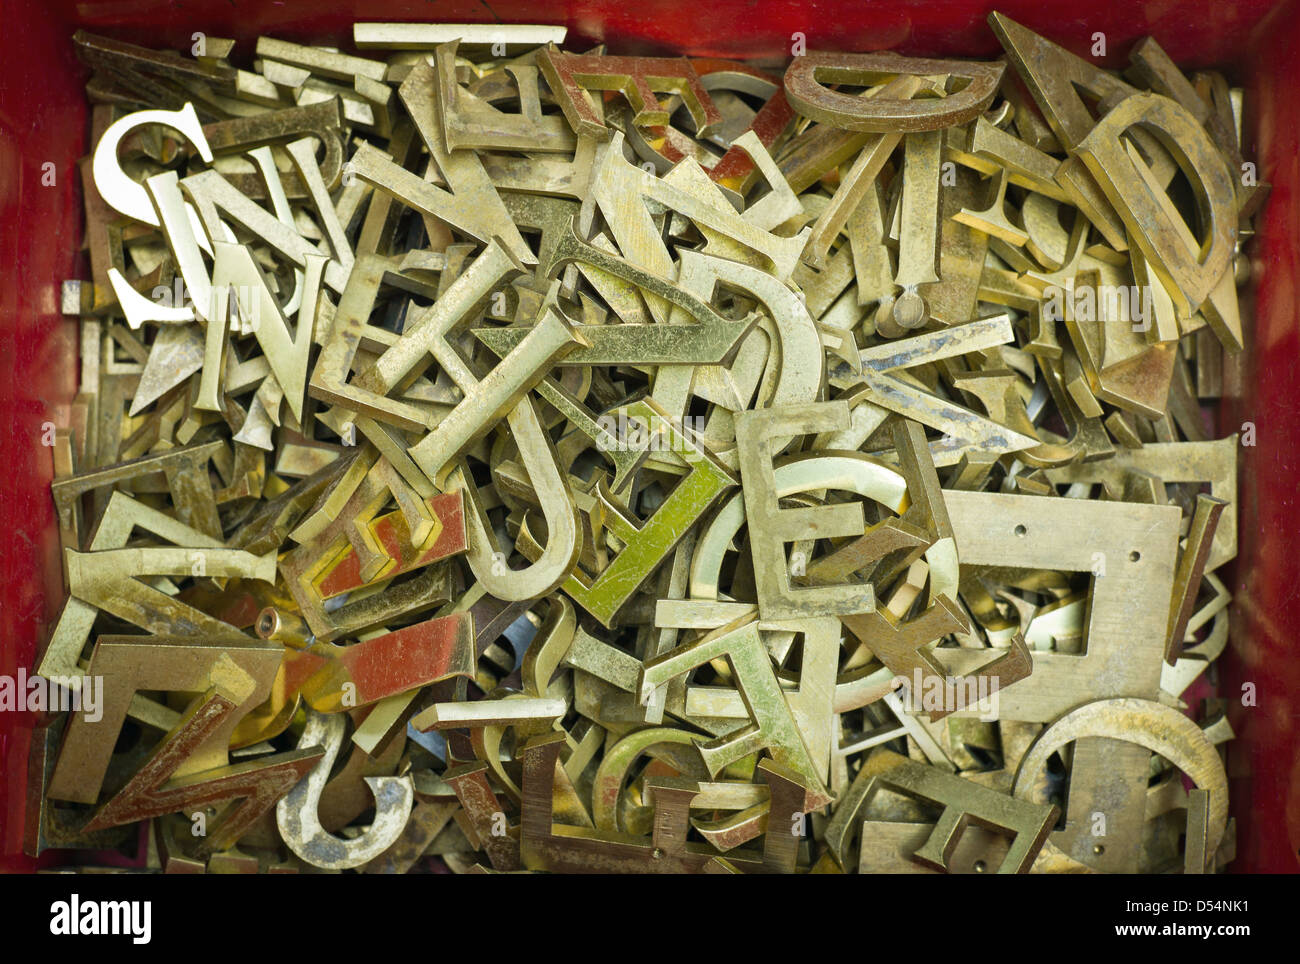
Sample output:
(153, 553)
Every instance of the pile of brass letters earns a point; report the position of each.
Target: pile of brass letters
(496, 457)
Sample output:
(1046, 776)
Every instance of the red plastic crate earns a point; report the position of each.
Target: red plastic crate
(43, 120)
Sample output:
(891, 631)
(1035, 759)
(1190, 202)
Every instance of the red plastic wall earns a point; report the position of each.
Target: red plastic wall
(43, 121)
